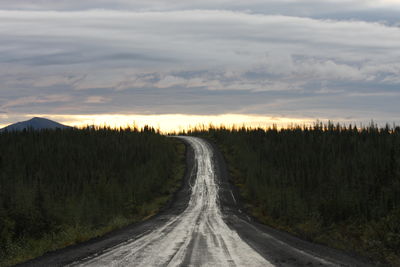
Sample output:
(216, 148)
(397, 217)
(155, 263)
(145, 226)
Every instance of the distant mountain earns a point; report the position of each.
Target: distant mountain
(36, 124)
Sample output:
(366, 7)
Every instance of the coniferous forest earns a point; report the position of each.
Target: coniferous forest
(59, 187)
(331, 184)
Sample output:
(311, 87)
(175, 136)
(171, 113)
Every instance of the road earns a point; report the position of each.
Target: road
(196, 237)
(205, 226)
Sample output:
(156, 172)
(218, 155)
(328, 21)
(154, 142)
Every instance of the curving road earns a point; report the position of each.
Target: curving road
(196, 237)
(204, 226)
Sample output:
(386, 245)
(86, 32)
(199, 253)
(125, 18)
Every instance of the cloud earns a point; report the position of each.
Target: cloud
(170, 81)
(22, 101)
(288, 7)
(198, 57)
(96, 100)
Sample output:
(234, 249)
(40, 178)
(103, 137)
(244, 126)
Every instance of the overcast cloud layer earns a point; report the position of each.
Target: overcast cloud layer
(313, 59)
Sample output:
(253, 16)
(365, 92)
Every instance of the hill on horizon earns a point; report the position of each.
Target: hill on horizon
(35, 123)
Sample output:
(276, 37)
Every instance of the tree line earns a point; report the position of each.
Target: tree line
(58, 187)
(333, 184)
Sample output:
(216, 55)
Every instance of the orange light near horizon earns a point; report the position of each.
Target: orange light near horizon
(168, 123)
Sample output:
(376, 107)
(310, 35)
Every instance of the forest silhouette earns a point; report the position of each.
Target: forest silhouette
(59, 187)
(328, 183)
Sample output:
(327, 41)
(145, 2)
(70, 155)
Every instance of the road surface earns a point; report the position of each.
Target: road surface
(206, 226)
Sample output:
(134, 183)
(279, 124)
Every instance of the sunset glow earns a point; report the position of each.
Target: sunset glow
(172, 122)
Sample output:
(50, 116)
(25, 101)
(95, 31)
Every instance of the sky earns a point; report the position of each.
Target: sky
(183, 62)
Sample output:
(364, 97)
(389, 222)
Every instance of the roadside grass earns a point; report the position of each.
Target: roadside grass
(26, 249)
